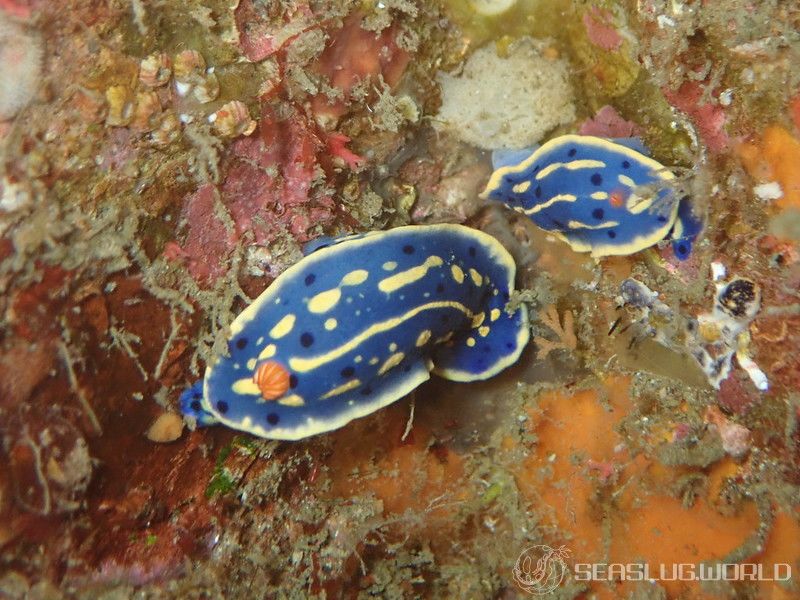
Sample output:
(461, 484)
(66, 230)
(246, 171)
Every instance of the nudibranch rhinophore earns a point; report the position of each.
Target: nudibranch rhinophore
(598, 195)
(360, 323)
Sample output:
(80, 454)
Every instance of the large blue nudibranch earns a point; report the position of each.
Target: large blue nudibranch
(600, 196)
(360, 323)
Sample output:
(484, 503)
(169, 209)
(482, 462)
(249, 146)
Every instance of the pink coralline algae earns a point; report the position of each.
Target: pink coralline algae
(19, 8)
(260, 38)
(353, 56)
(337, 146)
(607, 122)
(708, 118)
(265, 202)
(736, 396)
(600, 29)
(270, 187)
(208, 242)
(681, 432)
(736, 439)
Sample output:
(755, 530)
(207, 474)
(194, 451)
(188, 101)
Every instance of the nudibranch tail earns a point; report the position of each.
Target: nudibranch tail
(600, 196)
(192, 405)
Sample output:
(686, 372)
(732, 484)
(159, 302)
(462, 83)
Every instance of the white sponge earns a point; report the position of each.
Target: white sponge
(507, 102)
(20, 66)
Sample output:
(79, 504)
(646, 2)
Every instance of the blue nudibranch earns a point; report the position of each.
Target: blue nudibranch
(360, 323)
(598, 195)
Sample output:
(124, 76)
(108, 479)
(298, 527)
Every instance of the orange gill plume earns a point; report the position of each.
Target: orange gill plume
(272, 379)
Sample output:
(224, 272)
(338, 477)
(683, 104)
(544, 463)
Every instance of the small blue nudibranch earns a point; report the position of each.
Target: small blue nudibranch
(358, 324)
(600, 196)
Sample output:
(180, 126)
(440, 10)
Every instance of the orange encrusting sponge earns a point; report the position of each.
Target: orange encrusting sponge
(775, 157)
(611, 507)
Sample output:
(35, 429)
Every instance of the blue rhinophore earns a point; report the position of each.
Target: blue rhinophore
(360, 322)
(600, 196)
(191, 402)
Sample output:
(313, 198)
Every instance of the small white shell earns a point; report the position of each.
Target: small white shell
(168, 129)
(233, 119)
(168, 427)
(187, 64)
(207, 89)
(155, 70)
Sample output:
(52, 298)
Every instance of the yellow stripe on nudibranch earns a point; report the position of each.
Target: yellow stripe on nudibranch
(389, 265)
(581, 225)
(392, 361)
(423, 337)
(457, 273)
(625, 180)
(246, 387)
(268, 352)
(599, 195)
(574, 165)
(635, 245)
(345, 387)
(559, 198)
(476, 277)
(521, 187)
(495, 314)
(356, 277)
(282, 327)
(293, 400)
(330, 324)
(395, 282)
(325, 301)
(304, 365)
(637, 204)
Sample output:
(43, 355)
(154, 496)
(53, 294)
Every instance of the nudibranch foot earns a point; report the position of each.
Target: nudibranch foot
(602, 196)
(192, 405)
(358, 323)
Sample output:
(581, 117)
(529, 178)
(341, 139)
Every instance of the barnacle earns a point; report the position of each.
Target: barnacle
(189, 69)
(155, 70)
(233, 119)
(188, 63)
(167, 130)
(207, 89)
